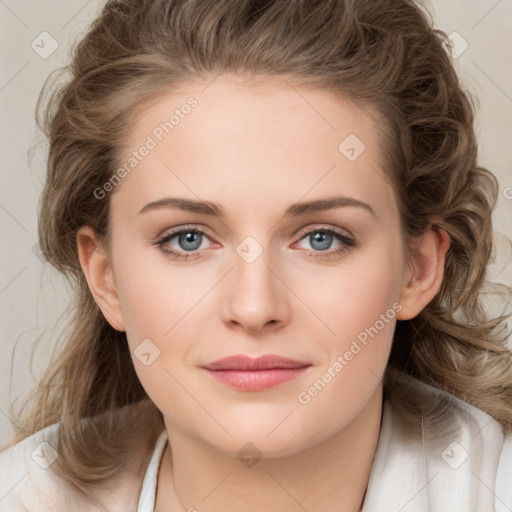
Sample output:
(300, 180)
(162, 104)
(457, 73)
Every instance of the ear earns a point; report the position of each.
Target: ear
(423, 280)
(97, 269)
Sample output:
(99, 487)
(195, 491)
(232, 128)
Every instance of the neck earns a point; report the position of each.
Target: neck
(329, 476)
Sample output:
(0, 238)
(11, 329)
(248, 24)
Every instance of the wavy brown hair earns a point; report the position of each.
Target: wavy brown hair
(383, 55)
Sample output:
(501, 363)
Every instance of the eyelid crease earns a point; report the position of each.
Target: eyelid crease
(329, 229)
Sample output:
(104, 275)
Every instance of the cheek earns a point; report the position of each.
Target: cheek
(154, 302)
(358, 307)
(155, 297)
(353, 296)
(364, 298)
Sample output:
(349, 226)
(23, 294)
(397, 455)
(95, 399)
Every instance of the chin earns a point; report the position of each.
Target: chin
(252, 447)
(267, 439)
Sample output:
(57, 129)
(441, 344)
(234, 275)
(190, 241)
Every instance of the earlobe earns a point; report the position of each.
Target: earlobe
(424, 279)
(97, 269)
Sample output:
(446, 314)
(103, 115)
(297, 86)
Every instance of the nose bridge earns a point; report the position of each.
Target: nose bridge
(256, 297)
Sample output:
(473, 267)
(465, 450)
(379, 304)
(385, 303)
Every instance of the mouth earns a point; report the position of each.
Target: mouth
(249, 374)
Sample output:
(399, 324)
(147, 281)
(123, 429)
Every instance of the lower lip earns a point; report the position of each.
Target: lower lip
(256, 380)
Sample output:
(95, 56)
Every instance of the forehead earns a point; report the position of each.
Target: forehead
(272, 108)
(253, 137)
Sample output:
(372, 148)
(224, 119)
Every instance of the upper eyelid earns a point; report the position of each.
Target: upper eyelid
(180, 229)
(340, 231)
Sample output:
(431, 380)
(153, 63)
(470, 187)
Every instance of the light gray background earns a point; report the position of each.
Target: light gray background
(33, 296)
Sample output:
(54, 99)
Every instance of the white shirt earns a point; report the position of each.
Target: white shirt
(462, 463)
(147, 496)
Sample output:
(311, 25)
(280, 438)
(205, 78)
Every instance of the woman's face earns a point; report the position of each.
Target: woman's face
(260, 272)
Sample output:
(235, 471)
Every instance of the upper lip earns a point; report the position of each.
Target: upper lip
(245, 363)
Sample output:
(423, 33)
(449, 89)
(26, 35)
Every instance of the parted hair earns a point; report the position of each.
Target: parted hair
(386, 56)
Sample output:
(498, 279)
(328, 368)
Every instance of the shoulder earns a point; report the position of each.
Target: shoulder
(504, 477)
(29, 483)
(438, 452)
(26, 479)
(438, 413)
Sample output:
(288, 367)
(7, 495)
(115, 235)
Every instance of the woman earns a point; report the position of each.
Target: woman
(278, 231)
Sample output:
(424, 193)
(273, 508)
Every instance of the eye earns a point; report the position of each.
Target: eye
(186, 243)
(183, 243)
(321, 240)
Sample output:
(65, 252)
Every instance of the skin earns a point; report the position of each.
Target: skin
(255, 147)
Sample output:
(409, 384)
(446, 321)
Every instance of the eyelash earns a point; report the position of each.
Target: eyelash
(347, 243)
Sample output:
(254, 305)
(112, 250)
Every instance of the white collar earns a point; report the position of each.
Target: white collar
(449, 462)
(148, 493)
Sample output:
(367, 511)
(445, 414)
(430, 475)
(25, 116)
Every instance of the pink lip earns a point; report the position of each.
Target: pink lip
(257, 374)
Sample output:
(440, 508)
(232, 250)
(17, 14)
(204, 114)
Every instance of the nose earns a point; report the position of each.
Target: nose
(257, 298)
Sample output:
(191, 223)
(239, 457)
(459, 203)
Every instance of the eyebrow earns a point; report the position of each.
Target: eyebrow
(294, 210)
